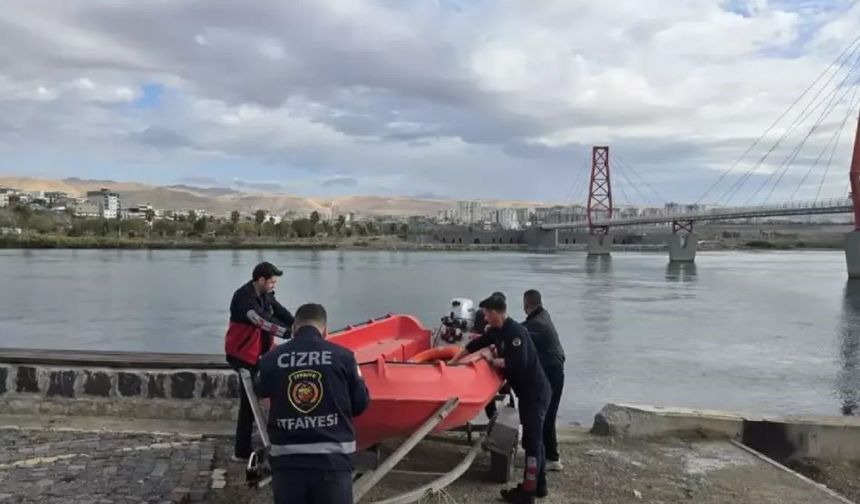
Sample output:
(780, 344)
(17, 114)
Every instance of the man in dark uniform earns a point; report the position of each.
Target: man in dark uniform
(517, 359)
(478, 328)
(551, 354)
(316, 389)
(255, 318)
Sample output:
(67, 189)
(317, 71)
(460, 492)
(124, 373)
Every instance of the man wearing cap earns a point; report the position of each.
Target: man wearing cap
(516, 357)
(256, 317)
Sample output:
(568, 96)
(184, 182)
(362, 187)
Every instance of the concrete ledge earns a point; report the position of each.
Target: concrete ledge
(189, 394)
(780, 437)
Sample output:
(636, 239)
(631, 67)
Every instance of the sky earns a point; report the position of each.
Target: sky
(458, 99)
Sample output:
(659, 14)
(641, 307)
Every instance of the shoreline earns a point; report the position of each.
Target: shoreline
(37, 242)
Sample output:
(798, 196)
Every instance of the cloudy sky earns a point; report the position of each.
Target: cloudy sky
(454, 98)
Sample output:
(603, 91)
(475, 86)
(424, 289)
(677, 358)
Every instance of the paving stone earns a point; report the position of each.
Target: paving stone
(62, 383)
(155, 386)
(97, 384)
(182, 385)
(129, 384)
(26, 380)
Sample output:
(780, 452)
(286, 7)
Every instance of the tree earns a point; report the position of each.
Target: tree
(315, 217)
(259, 218)
(200, 226)
(303, 227)
(234, 220)
(404, 230)
(149, 215)
(392, 229)
(371, 229)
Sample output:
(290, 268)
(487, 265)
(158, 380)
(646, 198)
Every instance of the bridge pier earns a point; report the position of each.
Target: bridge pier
(542, 240)
(682, 247)
(852, 253)
(599, 244)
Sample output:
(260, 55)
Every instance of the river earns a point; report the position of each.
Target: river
(771, 332)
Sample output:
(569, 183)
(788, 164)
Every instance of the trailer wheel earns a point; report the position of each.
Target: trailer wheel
(502, 466)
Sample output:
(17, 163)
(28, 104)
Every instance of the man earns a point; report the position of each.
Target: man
(517, 359)
(316, 389)
(255, 318)
(551, 355)
(478, 328)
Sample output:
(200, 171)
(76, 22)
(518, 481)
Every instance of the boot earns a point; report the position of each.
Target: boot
(540, 494)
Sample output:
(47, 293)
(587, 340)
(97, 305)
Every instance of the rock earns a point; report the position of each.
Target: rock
(637, 494)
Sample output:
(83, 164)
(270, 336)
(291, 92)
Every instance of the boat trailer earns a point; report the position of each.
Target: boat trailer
(500, 437)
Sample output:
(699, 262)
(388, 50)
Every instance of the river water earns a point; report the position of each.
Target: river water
(771, 332)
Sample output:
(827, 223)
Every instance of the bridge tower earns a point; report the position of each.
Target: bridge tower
(852, 239)
(599, 206)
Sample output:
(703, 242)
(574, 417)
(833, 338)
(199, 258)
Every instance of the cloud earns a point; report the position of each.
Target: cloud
(257, 185)
(340, 182)
(472, 99)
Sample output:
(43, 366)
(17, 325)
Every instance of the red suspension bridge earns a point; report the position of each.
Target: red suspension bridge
(835, 92)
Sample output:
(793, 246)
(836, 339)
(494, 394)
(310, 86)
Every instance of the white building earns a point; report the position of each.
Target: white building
(469, 212)
(107, 201)
(4, 199)
(507, 218)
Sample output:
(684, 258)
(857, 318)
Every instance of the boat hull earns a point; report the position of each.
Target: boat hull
(404, 395)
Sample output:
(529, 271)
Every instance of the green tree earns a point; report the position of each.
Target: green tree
(404, 230)
(41, 224)
(259, 218)
(303, 227)
(315, 217)
(149, 215)
(234, 220)
(164, 228)
(192, 217)
(200, 226)
(371, 229)
(392, 229)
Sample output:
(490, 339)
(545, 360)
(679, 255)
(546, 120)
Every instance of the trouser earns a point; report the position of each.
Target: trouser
(306, 486)
(555, 375)
(244, 422)
(532, 417)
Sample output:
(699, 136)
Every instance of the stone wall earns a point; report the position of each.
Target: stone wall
(188, 394)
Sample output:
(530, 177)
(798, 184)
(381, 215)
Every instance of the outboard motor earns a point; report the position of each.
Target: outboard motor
(457, 324)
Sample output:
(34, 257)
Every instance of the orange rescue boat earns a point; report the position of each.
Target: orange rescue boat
(408, 380)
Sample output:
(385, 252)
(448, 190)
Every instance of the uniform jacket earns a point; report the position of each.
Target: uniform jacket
(246, 340)
(315, 391)
(523, 370)
(543, 333)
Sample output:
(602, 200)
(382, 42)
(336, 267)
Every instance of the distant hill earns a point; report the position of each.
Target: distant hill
(220, 200)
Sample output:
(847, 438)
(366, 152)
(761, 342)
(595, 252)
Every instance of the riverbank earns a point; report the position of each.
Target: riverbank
(392, 243)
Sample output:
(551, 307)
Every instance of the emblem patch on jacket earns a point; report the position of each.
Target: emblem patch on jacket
(305, 390)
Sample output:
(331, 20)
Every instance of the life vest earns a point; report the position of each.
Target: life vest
(244, 342)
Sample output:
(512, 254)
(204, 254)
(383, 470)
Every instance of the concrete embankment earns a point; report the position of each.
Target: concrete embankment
(128, 428)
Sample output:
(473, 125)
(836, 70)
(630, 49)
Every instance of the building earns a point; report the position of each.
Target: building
(507, 218)
(469, 212)
(107, 201)
(86, 208)
(4, 199)
(524, 215)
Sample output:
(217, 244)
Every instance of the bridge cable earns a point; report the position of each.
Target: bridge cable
(833, 142)
(781, 116)
(645, 199)
(786, 164)
(629, 167)
(851, 110)
(574, 181)
(622, 178)
(804, 114)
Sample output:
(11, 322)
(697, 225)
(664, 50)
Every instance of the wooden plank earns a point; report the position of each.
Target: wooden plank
(94, 358)
(371, 478)
(438, 484)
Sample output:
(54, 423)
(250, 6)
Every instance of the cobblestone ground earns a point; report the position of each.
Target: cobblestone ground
(41, 466)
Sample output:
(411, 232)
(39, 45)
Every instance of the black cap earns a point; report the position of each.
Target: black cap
(265, 270)
(496, 301)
